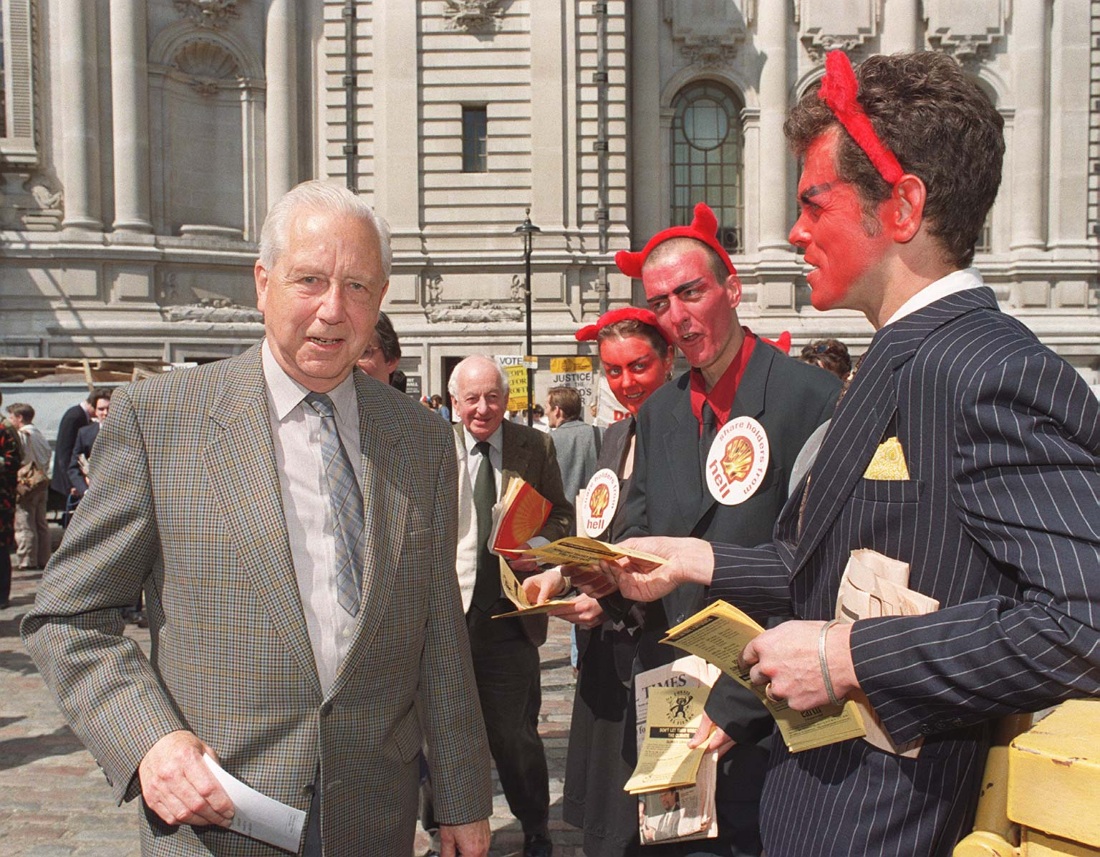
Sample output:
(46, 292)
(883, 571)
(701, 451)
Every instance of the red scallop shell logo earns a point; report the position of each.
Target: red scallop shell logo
(737, 462)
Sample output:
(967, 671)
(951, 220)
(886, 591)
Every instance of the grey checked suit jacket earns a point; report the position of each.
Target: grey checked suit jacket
(186, 504)
(998, 521)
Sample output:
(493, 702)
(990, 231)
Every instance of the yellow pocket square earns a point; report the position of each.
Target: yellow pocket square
(888, 463)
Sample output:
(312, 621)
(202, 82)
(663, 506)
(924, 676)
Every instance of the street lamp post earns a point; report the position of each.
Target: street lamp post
(527, 229)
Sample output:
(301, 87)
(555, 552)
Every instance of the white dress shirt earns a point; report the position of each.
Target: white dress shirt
(956, 281)
(296, 433)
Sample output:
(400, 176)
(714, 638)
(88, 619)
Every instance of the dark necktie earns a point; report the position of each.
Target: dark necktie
(487, 582)
(706, 438)
(347, 506)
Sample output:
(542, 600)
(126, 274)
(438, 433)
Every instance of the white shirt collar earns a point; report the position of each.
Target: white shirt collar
(287, 394)
(956, 281)
(496, 440)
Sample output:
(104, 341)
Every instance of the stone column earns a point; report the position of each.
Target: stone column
(281, 115)
(1069, 128)
(397, 177)
(79, 120)
(1029, 143)
(901, 26)
(773, 39)
(130, 115)
(649, 205)
(549, 134)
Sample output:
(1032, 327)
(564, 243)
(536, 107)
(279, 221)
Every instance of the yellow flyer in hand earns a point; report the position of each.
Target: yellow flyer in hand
(665, 761)
(718, 634)
(579, 550)
(513, 591)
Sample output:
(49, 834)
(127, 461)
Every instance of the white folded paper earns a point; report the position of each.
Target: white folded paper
(258, 816)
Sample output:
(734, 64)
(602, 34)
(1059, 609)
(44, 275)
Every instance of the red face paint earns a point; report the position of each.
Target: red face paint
(693, 309)
(831, 230)
(633, 369)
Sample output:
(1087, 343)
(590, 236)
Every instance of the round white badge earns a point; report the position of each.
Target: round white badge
(737, 461)
(599, 502)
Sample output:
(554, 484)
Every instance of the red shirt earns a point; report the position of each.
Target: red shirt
(720, 397)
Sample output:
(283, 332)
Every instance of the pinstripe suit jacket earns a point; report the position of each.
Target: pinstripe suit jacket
(186, 503)
(998, 521)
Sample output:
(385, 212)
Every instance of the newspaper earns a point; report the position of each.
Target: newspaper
(688, 812)
(719, 633)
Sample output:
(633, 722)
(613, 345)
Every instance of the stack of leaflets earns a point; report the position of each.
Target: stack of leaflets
(675, 810)
(718, 634)
(519, 515)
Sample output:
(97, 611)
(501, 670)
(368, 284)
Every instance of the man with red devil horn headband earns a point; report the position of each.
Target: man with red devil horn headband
(714, 454)
(963, 448)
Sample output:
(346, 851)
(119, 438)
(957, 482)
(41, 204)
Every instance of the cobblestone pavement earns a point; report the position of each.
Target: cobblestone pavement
(54, 802)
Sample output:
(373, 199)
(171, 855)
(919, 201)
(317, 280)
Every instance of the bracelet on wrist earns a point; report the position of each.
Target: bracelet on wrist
(825, 661)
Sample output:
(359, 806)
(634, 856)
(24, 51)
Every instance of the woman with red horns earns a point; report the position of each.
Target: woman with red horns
(636, 360)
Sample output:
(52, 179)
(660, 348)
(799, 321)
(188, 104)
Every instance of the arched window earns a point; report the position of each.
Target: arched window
(708, 160)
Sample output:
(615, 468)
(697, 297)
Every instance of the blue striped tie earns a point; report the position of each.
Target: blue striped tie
(347, 506)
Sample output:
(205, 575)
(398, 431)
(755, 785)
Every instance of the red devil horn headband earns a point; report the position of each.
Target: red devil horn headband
(704, 227)
(839, 90)
(626, 313)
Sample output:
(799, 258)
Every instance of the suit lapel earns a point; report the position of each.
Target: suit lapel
(747, 402)
(682, 455)
(516, 457)
(386, 476)
(864, 413)
(240, 465)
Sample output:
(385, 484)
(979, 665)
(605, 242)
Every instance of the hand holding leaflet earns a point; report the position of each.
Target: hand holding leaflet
(719, 633)
(257, 816)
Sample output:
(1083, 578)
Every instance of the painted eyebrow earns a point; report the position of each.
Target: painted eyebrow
(680, 289)
(807, 196)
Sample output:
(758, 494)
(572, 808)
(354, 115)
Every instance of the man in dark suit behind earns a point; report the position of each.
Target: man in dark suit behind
(505, 651)
(72, 421)
(995, 460)
(82, 447)
(693, 290)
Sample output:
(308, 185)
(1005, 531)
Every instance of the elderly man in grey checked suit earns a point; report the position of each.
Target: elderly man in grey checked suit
(297, 554)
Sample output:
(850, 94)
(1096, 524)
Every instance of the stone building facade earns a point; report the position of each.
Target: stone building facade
(143, 139)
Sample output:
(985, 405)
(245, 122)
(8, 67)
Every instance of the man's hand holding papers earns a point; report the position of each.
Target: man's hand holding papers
(786, 660)
(546, 586)
(684, 560)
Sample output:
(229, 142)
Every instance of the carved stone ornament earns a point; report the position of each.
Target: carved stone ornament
(517, 290)
(30, 202)
(433, 287)
(217, 315)
(818, 44)
(827, 25)
(709, 51)
(473, 312)
(967, 31)
(207, 13)
(206, 66)
(473, 16)
(709, 33)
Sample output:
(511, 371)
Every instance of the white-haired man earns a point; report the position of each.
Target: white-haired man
(297, 557)
(491, 451)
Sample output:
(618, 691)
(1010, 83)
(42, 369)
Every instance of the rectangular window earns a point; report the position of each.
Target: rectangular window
(16, 93)
(475, 132)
